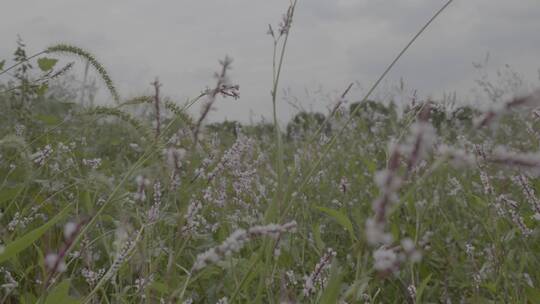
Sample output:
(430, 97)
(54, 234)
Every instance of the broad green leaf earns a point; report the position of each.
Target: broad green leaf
(2, 64)
(479, 201)
(48, 119)
(478, 299)
(271, 212)
(421, 288)
(28, 298)
(26, 240)
(352, 291)
(42, 89)
(490, 286)
(411, 206)
(60, 294)
(86, 199)
(7, 194)
(333, 287)
(317, 236)
(160, 287)
(341, 218)
(46, 64)
(533, 295)
(370, 165)
(395, 229)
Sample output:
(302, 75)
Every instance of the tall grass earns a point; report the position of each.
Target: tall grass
(139, 202)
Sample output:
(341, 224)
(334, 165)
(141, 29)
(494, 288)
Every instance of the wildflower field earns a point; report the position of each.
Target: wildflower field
(141, 202)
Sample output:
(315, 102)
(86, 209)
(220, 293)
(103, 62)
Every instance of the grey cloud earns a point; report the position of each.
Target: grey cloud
(332, 43)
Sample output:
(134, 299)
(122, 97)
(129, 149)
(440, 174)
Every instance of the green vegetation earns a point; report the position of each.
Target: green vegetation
(139, 202)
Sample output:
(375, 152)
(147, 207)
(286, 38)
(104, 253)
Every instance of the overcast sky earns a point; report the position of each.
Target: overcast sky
(332, 43)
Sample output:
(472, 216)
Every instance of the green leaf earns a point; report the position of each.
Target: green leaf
(2, 64)
(7, 194)
(332, 290)
(395, 230)
(317, 236)
(479, 201)
(86, 199)
(60, 294)
(341, 218)
(42, 89)
(48, 119)
(46, 64)
(160, 287)
(26, 240)
(533, 294)
(370, 165)
(490, 286)
(421, 288)
(28, 298)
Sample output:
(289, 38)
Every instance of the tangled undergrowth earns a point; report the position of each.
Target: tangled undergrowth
(138, 202)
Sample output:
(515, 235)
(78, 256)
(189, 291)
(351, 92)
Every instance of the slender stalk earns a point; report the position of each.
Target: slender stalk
(276, 76)
(21, 62)
(156, 86)
(368, 94)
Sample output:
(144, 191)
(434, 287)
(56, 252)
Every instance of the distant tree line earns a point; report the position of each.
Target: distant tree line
(371, 116)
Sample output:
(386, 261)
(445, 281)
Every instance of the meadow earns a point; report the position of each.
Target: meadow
(140, 202)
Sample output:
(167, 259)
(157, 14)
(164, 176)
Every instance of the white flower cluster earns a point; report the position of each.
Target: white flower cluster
(319, 275)
(536, 113)
(423, 137)
(272, 230)
(42, 155)
(193, 217)
(223, 300)
(511, 207)
(174, 157)
(291, 278)
(385, 259)
(9, 283)
(486, 183)
(376, 234)
(142, 183)
(19, 221)
(92, 163)
(66, 148)
(154, 212)
(388, 260)
(232, 158)
(55, 263)
(19, 130)
(92, 277)
(237, 240)
(412, 292)
(469, 250)
(70, 229)
(526, 161)
(142, 283)
(344, 185)
(201, 170)
(528, 192)
(121, 257)
(458, 157)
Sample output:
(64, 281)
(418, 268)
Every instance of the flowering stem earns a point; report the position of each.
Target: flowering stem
(276, 75)
(156, 86)
(368, 94)
(65, 249)
(21, 62)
